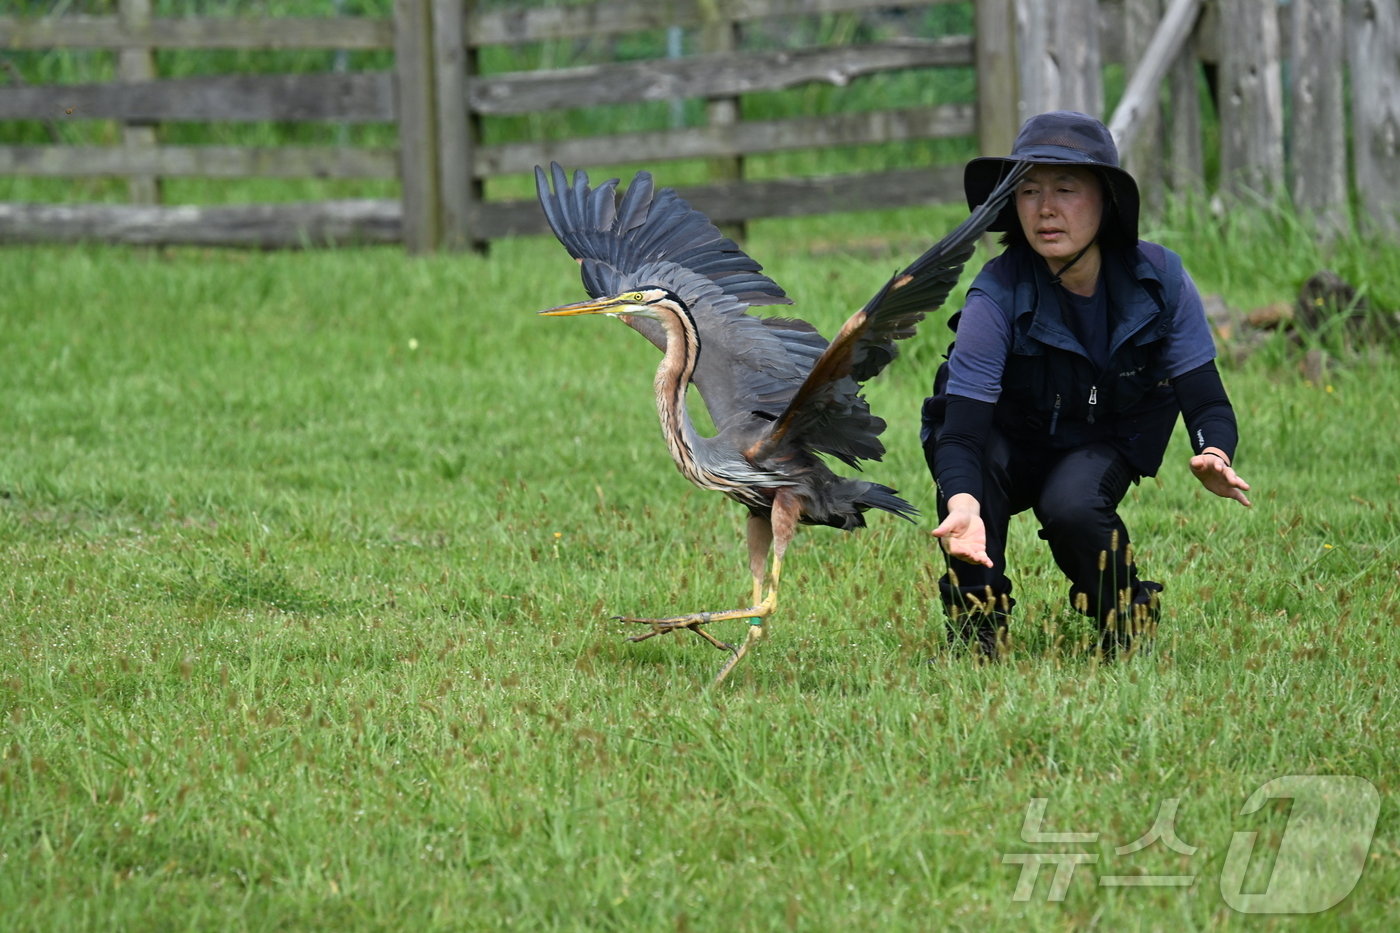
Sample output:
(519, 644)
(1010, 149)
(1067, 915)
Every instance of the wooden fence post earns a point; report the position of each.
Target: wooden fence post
(1061, 65)
(1032, 47)
(1140, 112)
(138, 64)
(1319, 169)
(720, 34)
(458, 189)
(414, 87)
(998, 90)
(1186, 162)
(1373, 39)
(1140, 142)
(1251, 98)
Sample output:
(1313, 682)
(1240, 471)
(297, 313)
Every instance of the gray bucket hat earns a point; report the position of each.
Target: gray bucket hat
(1060, 136)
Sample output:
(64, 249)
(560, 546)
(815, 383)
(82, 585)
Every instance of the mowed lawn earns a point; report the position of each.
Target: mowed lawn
(307, 561)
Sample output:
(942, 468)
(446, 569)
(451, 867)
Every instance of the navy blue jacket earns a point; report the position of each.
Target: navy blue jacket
(1052, 394)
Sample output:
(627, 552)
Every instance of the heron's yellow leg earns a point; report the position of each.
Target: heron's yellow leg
(760, 541)
(756, 619)
(782, 526)
(774, 532)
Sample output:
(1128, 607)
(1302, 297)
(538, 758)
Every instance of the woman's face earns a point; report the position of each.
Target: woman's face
(1060, 207)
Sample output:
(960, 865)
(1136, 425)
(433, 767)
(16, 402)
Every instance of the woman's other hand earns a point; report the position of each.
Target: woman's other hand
(963, 533)
(1215, 473)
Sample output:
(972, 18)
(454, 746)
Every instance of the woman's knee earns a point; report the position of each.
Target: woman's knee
(1075, 514)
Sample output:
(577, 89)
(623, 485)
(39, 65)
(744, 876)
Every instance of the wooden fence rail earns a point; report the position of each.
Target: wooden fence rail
(1027, 55)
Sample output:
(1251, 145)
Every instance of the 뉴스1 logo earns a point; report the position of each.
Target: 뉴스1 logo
(1315, 864)
(1323, 850)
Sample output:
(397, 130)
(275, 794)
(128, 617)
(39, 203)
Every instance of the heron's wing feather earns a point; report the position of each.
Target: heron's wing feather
(748, 366)
(616, 237)
(822, 414)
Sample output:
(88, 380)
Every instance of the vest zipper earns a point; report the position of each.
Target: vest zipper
(1093, 400)
(1055, 415)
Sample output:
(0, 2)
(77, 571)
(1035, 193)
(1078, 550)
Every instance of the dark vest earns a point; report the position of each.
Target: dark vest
(1052, 394)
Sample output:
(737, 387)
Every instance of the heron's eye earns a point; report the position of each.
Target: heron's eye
(637, 297)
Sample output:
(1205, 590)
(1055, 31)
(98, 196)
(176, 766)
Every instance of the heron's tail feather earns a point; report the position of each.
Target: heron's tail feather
(881, 497)
(843, 504)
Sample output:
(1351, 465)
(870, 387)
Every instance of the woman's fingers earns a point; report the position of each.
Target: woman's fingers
(1220, 478)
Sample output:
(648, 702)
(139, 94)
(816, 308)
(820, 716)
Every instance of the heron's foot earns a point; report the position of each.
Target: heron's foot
(754, 615)
(692, 621)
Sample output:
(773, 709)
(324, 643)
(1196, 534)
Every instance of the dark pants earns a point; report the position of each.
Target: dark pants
(1074, 495)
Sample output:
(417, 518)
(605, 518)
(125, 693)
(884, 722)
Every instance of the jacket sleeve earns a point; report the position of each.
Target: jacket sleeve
(1206, 409)
(955, 453)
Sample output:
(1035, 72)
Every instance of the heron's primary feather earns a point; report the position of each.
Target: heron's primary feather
(655, 238)
(865, 345)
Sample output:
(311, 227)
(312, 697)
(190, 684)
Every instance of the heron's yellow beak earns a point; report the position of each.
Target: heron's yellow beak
(591, 306)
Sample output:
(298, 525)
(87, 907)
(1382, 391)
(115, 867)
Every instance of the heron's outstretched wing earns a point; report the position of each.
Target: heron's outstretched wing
(821, 415)
(612, 236)
(648, 237)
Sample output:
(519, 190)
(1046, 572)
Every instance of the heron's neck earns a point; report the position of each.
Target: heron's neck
(672, 380)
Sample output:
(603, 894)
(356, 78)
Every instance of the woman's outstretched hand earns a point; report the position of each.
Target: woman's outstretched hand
(963, 533)
(1216, 474)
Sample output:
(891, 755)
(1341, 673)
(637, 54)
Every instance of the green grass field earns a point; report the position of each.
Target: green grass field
(308, 561)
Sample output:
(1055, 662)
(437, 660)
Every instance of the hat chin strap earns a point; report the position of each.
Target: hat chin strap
(1055, 279)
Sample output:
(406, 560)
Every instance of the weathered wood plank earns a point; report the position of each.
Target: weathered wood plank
(1032, 47)
(1251, 98)
(200, 161)
(1185, 167)
(133, 65)
(360, 97)
(1210, 41)
(1111, 29)
(77, 31)
(1139, 107)
(1319, 151)
(1207, 35)
(500, 27)
(1373, 50)
(720, 36)
(265, 226)
(799, 197)
(750, 136)
(488, 27)
(323, 223)
(457, 187)
(418, 150)
(1072, 66)
(368, 97)
(707, 76)
(998, 85)
(750, 200)
(1141, 153)
(1060, 60)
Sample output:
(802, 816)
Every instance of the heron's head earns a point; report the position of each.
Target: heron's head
(643, 302)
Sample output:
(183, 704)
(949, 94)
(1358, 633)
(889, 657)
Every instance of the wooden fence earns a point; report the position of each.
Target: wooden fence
(1027, 55)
